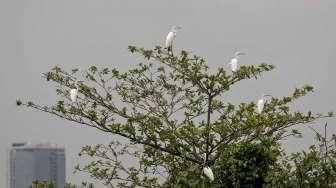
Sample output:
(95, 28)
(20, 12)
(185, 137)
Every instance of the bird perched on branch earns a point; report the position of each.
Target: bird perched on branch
(171, 36)
(261, 103)
(73, 94)
(235, 60)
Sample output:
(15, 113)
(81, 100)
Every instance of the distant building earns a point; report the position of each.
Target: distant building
(28, 163)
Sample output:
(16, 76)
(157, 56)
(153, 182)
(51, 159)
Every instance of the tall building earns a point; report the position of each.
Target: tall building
(43, 162)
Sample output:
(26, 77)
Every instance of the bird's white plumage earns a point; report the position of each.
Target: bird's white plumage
(73, 94)
(235, 60)
(234, 64)
(260, 105)
(169, 39)
(171, 36)
(208, 172)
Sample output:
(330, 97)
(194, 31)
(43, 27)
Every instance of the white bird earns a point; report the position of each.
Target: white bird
(208, 172)
(261, 103)
(234, 61)
(171, 36)
(73, 94)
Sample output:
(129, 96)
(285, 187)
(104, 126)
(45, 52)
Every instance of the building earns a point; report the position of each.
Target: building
(28, 163)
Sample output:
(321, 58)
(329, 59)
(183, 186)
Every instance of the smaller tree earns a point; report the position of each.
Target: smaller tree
(313, 168)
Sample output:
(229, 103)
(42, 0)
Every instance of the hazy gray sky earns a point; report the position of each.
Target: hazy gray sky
(298, 36)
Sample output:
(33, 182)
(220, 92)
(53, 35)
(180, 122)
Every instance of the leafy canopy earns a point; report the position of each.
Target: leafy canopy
(172, 117)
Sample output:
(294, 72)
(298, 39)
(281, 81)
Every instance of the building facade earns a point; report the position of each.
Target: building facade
(43, 162)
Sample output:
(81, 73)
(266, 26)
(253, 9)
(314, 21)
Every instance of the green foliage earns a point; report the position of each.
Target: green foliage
(18, 102)
(247, 164)
(172, 118)
(42, 184)
(46, 184)
(313, 168)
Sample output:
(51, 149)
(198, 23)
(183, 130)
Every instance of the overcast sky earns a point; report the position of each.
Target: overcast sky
(298, 36)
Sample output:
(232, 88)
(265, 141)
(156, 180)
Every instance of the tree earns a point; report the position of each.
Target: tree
(313, 168)
(171, 116)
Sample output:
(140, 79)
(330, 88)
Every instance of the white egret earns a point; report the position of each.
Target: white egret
(171, 36)
(235, 60)
(261, 103)
(73, 94)
(208, 172)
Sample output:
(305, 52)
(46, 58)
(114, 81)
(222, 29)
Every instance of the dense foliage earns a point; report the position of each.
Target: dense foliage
(46, 184)
(172, 119)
